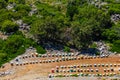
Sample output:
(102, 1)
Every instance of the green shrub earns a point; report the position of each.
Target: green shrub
(40, 50)
(93, 45)
(3, 58)
(116, 46)
(22, 7)
(9, 26)
(15, 45)
(74, 75)
(59, 76)
(66, 49)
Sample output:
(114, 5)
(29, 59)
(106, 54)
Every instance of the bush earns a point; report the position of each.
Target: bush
(15, 45)
(114, 9)
(116, 46)
(3, 58)
(2, 4)
(93, 45)
(110, 35)
(66, 49)
(59, 76)
(74, 75)
(40, 50)
(97, 53)
(22, 7)
(9, 26)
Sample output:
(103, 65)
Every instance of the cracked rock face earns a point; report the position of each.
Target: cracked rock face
(23, 26)
(33, 11)
(3, 36)
(115, 17)
(11, 6)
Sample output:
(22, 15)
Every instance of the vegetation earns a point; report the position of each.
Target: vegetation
(59, 76)
(93, 45)
(73, 23)
(74, 75)
(16, 45)
(9, 26)
(66, 49)
(116, 46)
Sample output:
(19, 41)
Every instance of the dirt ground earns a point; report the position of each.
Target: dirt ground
(34, 71)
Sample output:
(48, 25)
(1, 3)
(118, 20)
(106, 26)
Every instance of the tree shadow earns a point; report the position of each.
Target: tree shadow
(90, 51)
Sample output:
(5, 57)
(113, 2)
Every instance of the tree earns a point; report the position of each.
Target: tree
(66, 49)
(9, 26)
(114, 8)
(47, 29)
(112, 34)
(2, 4)
(3, 58)
(12, 1)
(5, 15)
(17, 1)
(116, 46)
(81, 35)
(13, 43)
(71, 9)
(1, 44)
(23, 7)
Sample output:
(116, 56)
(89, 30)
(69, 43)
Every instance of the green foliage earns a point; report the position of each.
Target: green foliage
(59, 76)
(93, 45)
(46, 10)
(40, 50)
(22, 7)
(12, 1)
(97, 53)
(116, 46)
(3, 58)
(46, 29)
(66, 49)
(74, 23)
(5, 15)
(9, 26)
(1, 43)
(2, 4)
(74, 75)
(29, 19)
(113, 33)
(20, 11)
(13, 43)
(112, 1)
(17, 1)
(114, 8)
(10, 48)
(115, 79)
(16, 45)
(71, 9)
(76, 29)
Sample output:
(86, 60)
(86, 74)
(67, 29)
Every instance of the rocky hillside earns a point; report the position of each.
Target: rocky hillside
(71, 23)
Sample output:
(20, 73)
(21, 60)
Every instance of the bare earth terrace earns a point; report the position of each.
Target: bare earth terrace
(40, 67)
